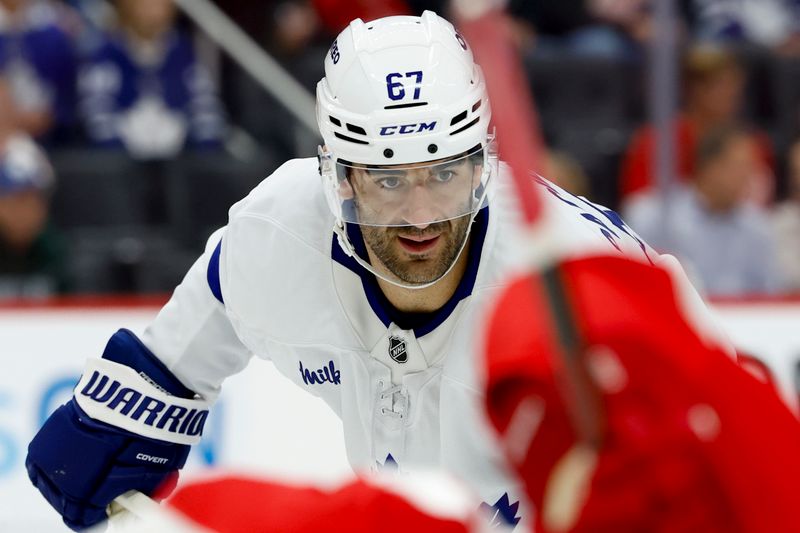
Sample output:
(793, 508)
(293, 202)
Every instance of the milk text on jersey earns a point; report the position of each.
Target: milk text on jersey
(325, 374)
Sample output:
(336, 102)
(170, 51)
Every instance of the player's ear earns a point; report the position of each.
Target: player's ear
(477, 173)
(346, 191)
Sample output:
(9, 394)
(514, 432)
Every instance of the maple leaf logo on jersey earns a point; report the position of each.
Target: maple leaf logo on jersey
(503, 512)
(397, 349)
(389, 464)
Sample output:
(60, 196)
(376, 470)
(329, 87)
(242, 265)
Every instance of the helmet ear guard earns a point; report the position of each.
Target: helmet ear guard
(330, 182)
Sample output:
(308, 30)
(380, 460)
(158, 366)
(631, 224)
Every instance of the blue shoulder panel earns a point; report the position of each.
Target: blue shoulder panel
(608, 223)
(213, 273)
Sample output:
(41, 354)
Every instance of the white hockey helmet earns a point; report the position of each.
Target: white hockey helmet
(399, 92)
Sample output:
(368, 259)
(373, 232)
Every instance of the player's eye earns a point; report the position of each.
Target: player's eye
(443, 176)
(388, 182)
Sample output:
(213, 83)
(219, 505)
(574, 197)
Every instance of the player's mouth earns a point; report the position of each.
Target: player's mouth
(418, 244)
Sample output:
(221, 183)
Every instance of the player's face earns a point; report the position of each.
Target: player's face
(417, 255)
(422, 214)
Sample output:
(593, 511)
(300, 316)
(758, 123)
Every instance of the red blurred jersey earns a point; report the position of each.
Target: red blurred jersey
(239, 505)
(691, 442)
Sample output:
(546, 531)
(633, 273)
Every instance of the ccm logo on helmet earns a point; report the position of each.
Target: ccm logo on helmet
(405, 129)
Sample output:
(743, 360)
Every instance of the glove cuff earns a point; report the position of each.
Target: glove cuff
(126, 349)
(119, 396)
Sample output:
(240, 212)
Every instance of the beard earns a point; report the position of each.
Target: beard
(421, 268)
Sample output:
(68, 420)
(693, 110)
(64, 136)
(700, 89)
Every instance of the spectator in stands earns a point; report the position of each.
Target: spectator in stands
(337, 14)
(144, 89)
(714, 85)
(31, 254)
(774, 24)
(37, 57)
(723, 239)
(786, 222)
(595, 28)
(291, 23)
(294, 28)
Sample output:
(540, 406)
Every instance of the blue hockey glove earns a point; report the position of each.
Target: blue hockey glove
(129, 426)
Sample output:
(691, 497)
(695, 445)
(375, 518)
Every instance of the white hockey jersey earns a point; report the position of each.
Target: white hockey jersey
(275, 283)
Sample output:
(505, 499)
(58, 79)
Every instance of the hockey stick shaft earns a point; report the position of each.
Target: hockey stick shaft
(129, 506)
(513, 112)
(487, 29)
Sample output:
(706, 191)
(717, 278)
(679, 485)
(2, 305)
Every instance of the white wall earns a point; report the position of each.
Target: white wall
(263, 423)
(42, 354)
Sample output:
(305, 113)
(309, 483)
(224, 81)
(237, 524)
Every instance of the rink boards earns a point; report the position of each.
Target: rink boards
(263, 424)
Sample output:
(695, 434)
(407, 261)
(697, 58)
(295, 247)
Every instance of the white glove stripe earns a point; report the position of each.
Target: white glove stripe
(119, 396)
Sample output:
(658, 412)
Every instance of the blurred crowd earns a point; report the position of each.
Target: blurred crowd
(134, 77)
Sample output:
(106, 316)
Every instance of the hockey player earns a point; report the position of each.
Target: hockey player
(621, 413)
(362, 274)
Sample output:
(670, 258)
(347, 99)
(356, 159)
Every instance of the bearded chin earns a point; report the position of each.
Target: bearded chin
(383, 243)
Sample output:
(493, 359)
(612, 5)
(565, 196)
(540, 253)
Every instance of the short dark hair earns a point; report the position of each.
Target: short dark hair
(712, 145)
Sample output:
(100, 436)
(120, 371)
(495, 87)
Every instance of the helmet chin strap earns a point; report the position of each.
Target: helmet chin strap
(347, 246)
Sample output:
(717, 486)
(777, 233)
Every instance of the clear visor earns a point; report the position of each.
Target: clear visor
(416, 194)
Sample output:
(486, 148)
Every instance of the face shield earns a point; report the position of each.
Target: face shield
(409, 195)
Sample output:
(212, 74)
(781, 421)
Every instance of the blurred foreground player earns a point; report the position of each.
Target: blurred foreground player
(235, 504)
(363, 274)
(680, 439)
(620, 414)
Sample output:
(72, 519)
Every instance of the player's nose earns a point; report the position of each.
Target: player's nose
(421, 209)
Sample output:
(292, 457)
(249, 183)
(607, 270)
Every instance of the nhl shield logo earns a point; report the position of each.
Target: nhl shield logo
(397, 349)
